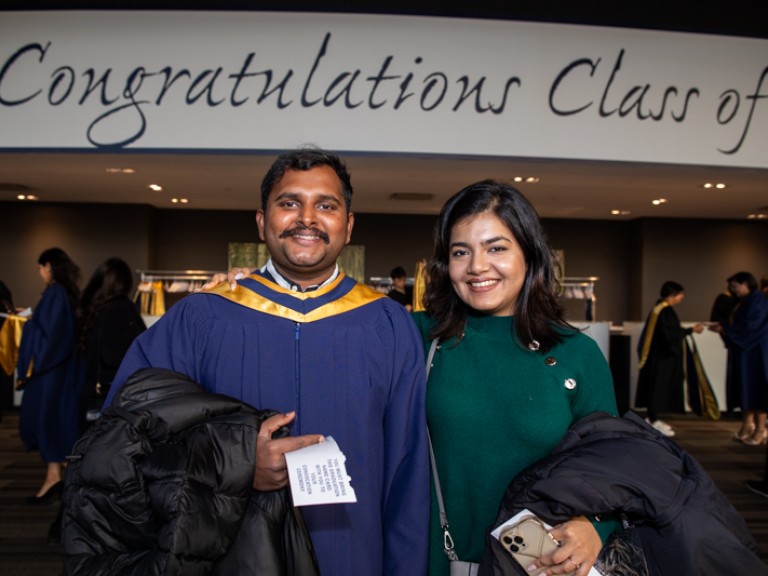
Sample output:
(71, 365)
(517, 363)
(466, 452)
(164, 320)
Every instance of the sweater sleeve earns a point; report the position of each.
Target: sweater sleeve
(595, 391)
(596, 394)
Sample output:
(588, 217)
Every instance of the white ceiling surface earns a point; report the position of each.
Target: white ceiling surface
(566, 189)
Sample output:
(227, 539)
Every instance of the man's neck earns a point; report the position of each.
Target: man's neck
(298, 285)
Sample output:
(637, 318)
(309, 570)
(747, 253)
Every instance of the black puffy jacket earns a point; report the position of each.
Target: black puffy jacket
(162, 484)
(682, 522)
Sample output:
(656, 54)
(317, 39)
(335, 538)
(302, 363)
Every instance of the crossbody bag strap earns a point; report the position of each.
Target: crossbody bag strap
(447, 539)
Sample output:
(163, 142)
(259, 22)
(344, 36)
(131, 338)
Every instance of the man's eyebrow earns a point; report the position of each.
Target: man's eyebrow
(289, 195)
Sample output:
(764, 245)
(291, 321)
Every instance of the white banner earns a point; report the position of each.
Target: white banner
(218, 81)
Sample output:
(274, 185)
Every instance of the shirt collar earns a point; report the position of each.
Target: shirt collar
(282, 281)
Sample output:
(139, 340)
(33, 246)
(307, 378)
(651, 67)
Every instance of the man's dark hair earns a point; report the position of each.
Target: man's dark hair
(744, 278)
(670, 288)
(303, 159)
(398, 272)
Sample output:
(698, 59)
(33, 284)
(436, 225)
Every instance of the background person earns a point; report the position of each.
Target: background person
(333, 356)
(400, 292)
(661, 350)
(510, 376)
(722, 308)
(6, 301)
(109, 322)
(761, 486)
(747, 335)
(47, 370)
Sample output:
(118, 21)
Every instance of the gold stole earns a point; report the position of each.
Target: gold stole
(650, 327)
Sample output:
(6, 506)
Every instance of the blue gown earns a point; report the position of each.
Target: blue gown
(348, 360)
(748, 336)
(47, 370)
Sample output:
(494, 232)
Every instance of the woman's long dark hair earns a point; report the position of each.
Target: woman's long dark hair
(538, 315)
(113, 279)
(63, 271)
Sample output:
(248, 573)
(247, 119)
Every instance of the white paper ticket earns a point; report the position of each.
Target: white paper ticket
(318, 475)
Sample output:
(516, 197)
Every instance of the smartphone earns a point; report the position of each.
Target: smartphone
(527, 540)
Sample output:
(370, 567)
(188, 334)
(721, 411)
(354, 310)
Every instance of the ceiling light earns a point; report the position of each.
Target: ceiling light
(180, 200)
(718, 185)
(620, 212)
(120, 171)
(26, 197)
(758, 216)
(659, 201)
(532, 179)
(155, 187)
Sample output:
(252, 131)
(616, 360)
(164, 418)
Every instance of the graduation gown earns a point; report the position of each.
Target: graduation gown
(748, 338)
(662, 372)
(48, 373)
(348, 360)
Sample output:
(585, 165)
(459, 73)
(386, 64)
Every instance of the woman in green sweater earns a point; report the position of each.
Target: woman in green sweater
(510, 375)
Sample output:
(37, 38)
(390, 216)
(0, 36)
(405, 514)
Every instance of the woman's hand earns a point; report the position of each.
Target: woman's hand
(579, 547)
(232, 277)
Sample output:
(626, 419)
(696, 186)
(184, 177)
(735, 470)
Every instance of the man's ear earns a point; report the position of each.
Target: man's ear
(260, 223)
(350, 225)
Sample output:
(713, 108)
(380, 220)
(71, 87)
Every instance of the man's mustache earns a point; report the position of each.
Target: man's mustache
(302, 230)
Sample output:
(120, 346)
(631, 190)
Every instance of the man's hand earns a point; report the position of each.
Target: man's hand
(271, 472)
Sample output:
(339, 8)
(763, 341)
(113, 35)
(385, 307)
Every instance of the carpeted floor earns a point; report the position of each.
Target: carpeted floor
(23, 528)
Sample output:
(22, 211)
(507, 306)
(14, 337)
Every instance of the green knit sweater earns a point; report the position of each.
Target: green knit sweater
(495, 408)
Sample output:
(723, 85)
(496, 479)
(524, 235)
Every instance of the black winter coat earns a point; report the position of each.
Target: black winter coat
(683, 523)
(162, 484)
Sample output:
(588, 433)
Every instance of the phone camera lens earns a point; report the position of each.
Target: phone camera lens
(507, 540)
(519, 539)
(514, 548)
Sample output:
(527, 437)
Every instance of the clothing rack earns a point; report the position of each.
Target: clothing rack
(154, 275)
(581, 288)
(159, 289)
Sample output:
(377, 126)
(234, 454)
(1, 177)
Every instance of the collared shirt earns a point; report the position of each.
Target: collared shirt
(280, 280)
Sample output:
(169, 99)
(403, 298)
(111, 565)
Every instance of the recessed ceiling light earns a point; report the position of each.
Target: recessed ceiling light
(180, 200)
(718, 185)
(31, 197)
(620, 212)
(120, 171)
(155, 187)
(758, 216)
(659, 201)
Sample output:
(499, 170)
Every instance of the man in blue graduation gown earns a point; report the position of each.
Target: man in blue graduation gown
(333, 356)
